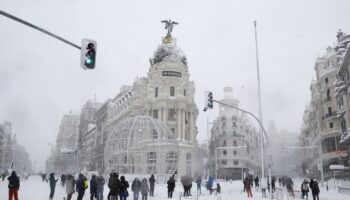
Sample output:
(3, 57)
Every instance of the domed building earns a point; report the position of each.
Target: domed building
(167, 96)
(142, 145)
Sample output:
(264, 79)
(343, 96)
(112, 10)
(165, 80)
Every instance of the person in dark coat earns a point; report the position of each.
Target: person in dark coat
(315, 190)
(218, 188)
(144, 189)
(113, 185)
(93, 187)
(151, 180)
(247, 187)
(53, 182)
(273, 184)
(136, 188)
(100, 185)
(256, 181)
(124, 185)
(199, 183)
(63, 180)
(13, 186)
(81, 186)
(171, 187)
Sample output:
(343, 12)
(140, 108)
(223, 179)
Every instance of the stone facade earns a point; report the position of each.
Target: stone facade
(166, 94)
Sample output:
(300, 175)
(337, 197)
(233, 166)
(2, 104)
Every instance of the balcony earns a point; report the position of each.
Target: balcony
(328, 115)
(340, 86)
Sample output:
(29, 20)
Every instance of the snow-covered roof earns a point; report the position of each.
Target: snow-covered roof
(168, 50)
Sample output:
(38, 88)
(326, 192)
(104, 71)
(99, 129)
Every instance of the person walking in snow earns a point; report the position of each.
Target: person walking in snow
(171, 186)
(256, 182)
(81, 186)
(144, 189)
(114, 186)
(136, 188)
(199, 182)
(63, 179)
(151, 180)
(124, 185)
(70, 182)
(247, 187)
(100, 184)
(305, 189)
(315, 190)
(93, 187)
(13, 186)
(53, 182)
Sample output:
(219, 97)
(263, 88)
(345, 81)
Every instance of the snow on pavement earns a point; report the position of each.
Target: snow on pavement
(35, 189)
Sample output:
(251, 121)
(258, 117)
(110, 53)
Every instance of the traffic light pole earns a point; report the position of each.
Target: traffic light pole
(39, 29)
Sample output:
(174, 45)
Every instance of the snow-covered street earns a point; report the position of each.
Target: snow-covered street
(35, 189)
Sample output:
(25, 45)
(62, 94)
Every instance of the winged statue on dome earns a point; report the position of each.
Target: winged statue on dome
(169, 25)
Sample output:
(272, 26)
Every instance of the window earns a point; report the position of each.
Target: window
(234, 143)
(223, 124)
(171, 115)
(151, 162)
(235, 162)
(326, 80)
(184, 92)
(329, 111)
(224, 143)
(173, 130)
(224, 162)
(224, 152)
(171, 162)
(234, 124)
(156, 92)
(234, 152)
(188, 164)
(155, 114)
(154, 134)
(331, 125)
(172, 91)
(328, 94)
(224, 132)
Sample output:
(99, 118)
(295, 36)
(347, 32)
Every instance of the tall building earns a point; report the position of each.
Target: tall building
(343, 90)
(234, 143)
(6, 147)
(166, 94)
(64, 157)
(321, 119)
(86, 122)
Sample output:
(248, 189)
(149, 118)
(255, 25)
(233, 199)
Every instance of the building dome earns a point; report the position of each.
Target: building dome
(142, 145)
(168, 50)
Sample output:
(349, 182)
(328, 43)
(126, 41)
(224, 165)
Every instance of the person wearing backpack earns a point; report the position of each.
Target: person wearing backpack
(305, 189)
(124, 185)
(81, 186)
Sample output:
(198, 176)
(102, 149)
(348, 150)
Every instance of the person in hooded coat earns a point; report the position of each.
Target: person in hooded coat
(100, 184)
(13, 186)
(70, 182)
(124, 185)
(171, 187)
(152, 180)
(144, 189)
(305, 189)
(93, 187)
(136, 187)
(113, 185)
(314, 189)
(81, 186)
(53, 182)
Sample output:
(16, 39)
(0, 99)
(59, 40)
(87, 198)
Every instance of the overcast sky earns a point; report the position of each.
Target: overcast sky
(41, 80)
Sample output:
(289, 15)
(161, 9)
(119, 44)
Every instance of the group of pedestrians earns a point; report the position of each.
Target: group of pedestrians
(313, 185)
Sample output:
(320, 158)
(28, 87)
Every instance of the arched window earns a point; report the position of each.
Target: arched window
(171, 162)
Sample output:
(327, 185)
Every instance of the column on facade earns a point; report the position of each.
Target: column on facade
(183, 125)
(178, 120)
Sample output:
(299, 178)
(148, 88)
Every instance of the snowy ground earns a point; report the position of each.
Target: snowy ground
(35, 189)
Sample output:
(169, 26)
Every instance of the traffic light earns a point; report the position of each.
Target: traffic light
(208, 100)
(88, 54)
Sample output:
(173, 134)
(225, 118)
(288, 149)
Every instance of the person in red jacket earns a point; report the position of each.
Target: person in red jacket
(13, 186)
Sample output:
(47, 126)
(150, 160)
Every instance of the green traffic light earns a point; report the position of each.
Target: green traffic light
(88, 61)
